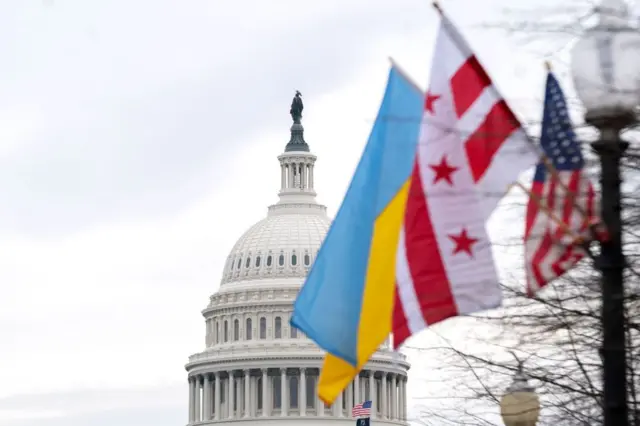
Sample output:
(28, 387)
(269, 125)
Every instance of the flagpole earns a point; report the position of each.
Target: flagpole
(404, 74)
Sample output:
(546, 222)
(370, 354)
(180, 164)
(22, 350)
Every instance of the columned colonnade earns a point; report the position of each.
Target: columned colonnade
(290, 392)
(296, 174)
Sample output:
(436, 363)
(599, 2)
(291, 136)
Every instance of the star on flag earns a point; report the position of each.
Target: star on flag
(464, 243)
(443, 170)
(429, 100)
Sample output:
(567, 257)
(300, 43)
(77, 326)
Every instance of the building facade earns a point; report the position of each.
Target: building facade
(255, 367)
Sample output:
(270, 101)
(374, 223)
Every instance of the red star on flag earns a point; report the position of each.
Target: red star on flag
(443, 171)
(463, 242)
(429, 101)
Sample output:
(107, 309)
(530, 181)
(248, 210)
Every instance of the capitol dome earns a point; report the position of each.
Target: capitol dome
(257, 368)
(281, 245)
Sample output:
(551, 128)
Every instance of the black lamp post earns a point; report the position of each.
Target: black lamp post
(606, 75)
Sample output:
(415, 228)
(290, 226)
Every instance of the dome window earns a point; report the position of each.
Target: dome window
(307, 260)
(293, 332)
(257, 261)
(281, 260)
(248, 330)
(269, 260)
(248, 262)
(226, 331)
(294, 259)
(239, 263)
(263, 328)
(236, 330)
(278, 327)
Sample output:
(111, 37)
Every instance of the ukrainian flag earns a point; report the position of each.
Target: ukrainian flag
(346, 303)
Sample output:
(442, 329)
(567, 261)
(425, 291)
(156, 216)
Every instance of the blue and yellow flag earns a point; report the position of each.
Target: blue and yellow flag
(346, 303)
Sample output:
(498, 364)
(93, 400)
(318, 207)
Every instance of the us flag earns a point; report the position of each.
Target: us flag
(361, 410)
(562, 209)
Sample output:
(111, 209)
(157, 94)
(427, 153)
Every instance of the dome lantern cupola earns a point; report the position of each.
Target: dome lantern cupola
(297, 162)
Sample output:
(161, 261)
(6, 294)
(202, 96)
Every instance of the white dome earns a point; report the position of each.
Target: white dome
(284, 244)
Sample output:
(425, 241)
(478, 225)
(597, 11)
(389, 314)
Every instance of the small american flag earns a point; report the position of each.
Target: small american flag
(361, 410)
(562, 209)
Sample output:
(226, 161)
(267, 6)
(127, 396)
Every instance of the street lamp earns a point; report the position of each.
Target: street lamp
(606, 76)
(520, 405)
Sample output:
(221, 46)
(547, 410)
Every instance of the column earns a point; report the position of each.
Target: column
(283, 174)
(300, 175)
(192, 396)
(399, 404)
(232, 392)
(394, 397)
(356, 389)
(349, 397)
(291, 173)
(305, 174)
(319, 407)
(383, 394)
(302, 393)
(404, 397)
(401, 398)
(319, 403)
(196, 417)
(337, 406)
(217, 396)
(284, 403)
(206, 415)
(247, 393)
(300, 167)
(265, 405)
(311, 176)
(372, 393)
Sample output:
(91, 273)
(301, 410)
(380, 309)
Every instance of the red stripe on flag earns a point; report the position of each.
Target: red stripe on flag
(400, 325)
(467, 84)
(541, 253)
(532, 207)
(571, 194)
(546, 242)
(426, 267)
(485, 142)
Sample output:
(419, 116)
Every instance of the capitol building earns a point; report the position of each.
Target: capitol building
(255, 368)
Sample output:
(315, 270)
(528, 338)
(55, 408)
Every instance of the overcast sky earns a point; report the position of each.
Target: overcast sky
(138, 140)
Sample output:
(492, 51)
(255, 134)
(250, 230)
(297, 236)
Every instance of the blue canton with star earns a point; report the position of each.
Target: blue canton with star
(557, 139)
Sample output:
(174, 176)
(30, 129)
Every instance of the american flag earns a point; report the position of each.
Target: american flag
(361, 410)
(562, 208)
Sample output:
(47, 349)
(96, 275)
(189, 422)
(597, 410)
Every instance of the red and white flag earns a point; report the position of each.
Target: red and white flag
(471, 149)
